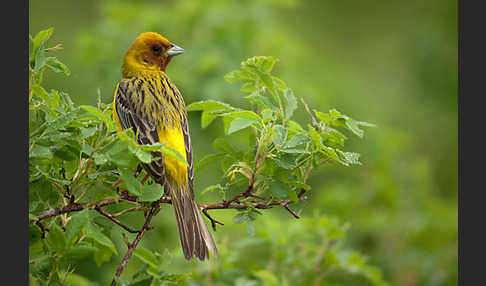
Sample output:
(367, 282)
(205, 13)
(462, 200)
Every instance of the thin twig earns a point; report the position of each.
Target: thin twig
(113, 219)
(213, 221)
(133, 245)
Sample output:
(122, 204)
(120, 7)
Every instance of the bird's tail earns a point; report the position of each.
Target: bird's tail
(195, 237)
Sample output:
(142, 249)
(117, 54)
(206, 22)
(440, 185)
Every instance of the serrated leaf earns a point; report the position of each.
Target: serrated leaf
(240, 123)
(151, 193)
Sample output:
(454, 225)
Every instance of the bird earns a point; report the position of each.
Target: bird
(147, 101)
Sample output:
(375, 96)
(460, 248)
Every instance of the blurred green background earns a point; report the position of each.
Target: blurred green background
(393, 63)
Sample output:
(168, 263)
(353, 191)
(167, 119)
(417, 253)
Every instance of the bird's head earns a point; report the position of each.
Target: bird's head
(149, 52)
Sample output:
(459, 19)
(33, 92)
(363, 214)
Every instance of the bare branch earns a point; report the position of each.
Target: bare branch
(113, 219)
(133, 245)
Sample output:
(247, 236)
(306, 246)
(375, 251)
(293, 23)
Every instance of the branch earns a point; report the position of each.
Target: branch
(113, 219)
(133, 245)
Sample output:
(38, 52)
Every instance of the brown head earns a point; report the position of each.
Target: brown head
(149, 52)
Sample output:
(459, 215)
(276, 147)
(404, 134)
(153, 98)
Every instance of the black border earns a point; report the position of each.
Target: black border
(471, 207)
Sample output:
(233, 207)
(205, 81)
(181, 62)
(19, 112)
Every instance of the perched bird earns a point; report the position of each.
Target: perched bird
(148, 102)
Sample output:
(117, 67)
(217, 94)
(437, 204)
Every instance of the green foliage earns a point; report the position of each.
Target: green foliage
(282, 153)
(75, 151)
(76, 156)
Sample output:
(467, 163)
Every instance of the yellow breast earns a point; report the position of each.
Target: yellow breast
(174, 169)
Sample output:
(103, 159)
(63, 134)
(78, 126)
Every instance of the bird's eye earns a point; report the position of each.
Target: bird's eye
(156, 48)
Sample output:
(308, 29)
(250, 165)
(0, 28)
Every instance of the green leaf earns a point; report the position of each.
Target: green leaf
(102, 255)
(42, 37)
(238, 75)
(55, 101)
(250, 227)
(87, 132)
(167, 150)
(55, 65)
(100, 115)
(207, 118)
(33, 217)
(100, 158)
(57, 239)
(240, 123)
(143, 156)
(222, 145)
(40, 59)
(121, 282)
(76, 224)
(279, 135)
(240, 218)
(35, 234)
(208, 160)
(268, 63)
(290, 104)
(39, 151)
(209, 105)
(151, 193)
(77, 280)
(31, 50)
(297, 140)
(102, 239)
(40, 92)
(133, 185)
(145, 256)
(293, 196)
(212, 188)
(79, 252)
(262, 100)
(286, 161)
(248, 87)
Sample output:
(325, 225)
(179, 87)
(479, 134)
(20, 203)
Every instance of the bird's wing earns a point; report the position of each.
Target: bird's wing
(140, 124)
(189, 157)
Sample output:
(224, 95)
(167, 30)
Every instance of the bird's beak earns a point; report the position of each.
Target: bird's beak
(175, 50)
